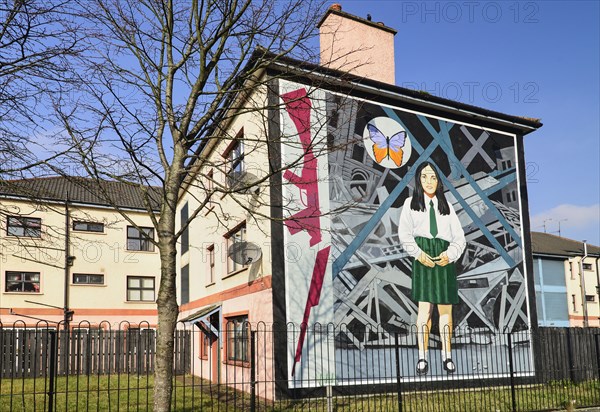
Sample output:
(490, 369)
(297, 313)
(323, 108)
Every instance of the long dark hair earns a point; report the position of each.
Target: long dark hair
(418, 199)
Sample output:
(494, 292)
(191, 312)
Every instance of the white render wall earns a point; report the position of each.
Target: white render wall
(95, 253)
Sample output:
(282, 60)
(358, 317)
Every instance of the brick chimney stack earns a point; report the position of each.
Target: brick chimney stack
(356, 45)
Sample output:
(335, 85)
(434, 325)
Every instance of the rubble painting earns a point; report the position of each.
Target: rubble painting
(371, 270)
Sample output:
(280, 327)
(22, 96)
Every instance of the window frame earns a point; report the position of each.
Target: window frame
(185, 235)
(88, 223)
(140, 288)
(185, 281)
(24, 225)
(211, 272)
(587, 266)
(205, 345)
(22, 281)
(241, 353)
(235, 156)
(233, 267)
(141, 238)
(87, 283)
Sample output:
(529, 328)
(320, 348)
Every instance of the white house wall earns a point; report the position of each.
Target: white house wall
(95, 253)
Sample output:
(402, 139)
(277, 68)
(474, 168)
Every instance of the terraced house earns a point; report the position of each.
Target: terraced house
(68, 255)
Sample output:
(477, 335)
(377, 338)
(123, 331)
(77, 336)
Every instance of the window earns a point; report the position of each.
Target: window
(511, 196)
(87, 279)
(237, 235)
(238, 337)
(88, 227)
(204, 345)
(210, 177)
(210, 274)
(185, 284)
(28, 282)
(24, 226)
(210, 187)
(140, 240)
(140, 288)
(185, 238)
(587, 266)
(358, 153)
(506, 164)
(590, 298)
(235, 161)
(574, 302)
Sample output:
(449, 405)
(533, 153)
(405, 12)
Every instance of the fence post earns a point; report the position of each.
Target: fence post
(398, 377)
(512, 373)
(253, 371)
(597, 338)
(571, 364)
(52, 384)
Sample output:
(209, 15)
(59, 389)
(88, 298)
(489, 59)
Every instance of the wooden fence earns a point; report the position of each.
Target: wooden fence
(568, 354)
(29, 352)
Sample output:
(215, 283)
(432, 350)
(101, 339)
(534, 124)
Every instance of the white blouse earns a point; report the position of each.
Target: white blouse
(414, 223)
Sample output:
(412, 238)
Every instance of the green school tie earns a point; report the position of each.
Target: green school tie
(432, 223)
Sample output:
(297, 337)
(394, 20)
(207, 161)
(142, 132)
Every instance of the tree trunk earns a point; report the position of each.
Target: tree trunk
(168, 311)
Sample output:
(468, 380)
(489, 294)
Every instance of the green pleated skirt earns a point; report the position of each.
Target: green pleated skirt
(436, 284)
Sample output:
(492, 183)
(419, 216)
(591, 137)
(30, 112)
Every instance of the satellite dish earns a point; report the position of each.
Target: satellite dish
(244, 253)
(243, 182)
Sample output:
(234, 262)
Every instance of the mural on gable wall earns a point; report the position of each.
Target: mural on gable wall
(368, 292)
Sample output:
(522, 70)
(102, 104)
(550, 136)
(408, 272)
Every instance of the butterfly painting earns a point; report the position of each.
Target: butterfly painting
(390, 147)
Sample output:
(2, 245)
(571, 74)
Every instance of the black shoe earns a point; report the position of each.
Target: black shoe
(449, 366)
(422, 367)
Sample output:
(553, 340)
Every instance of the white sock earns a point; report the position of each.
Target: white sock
(445, 355)
(422, 354)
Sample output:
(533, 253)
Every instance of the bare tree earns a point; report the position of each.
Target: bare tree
(160, 74)
(37, 42)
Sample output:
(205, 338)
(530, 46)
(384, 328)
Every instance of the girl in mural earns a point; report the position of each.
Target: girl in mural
(431, 233)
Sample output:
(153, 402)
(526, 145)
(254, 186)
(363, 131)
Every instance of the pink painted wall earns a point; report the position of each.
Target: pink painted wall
(358, 47)
(259, 307)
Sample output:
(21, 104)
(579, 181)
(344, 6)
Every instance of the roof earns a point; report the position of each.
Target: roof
(548, 244)
(201, 313)
(83, 190)
(326, 77)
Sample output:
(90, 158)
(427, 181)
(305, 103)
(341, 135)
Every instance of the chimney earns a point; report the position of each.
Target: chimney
(357, 45)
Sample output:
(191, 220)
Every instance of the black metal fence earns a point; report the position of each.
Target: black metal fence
(245, 367)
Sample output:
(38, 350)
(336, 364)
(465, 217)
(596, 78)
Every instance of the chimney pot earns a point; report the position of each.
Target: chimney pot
(336, 7)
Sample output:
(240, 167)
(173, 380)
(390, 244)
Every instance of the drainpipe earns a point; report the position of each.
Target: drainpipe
(586, 322)
(68, 263)
(598, 288)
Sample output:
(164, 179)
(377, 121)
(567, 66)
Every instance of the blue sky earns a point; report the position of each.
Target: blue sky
(535, 59)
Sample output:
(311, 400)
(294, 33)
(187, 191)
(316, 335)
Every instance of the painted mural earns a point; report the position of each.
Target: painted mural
(420, 226)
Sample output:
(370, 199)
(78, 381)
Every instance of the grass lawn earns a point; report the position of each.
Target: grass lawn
(101, 393)
(134, 393)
